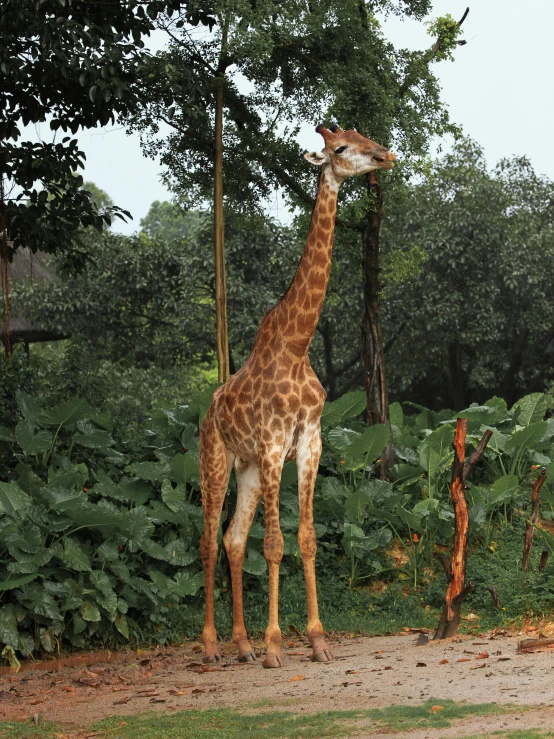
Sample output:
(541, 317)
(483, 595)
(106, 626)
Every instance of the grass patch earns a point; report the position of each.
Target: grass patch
(229, 724)
(518, 734)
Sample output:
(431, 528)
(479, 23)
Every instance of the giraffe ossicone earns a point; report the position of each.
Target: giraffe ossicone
(269, 412)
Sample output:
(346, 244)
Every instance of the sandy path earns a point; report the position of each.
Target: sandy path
(367, 673)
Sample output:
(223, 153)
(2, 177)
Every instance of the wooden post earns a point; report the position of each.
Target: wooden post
(457, 589)
(219, 240)
(535, 517)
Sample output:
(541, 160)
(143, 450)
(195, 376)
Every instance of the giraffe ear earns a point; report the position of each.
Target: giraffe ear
(316, 158)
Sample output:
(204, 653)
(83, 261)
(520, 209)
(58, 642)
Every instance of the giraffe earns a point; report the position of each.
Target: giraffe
(269, 412)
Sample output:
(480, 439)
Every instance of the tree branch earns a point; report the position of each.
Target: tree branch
(428, 57)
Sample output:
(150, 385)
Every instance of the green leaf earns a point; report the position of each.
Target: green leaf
(347, 406)
(177, 553)
(136, 526)
(121, 625)
(173, 497)
(368, 447)
(185, 583)
(90, 612)
(69, 476)
(28, 406)
(289, 474)
(396, 415)
(341, 438)
(184, 468)
(136, 490)
(30, 442)
(254, 563)
(95, 439)
(8, 627)
(155, 550)
(66, 413)
(439, 442)
(27, 537)
(483, 415)
(39, 602)
(530, 409)
(101, 581)
(63, 500)
(355, 507)
(74, 557)
(504, 487)
(151, 471)
(333, 488)
(79, 623)
(426, 506)
(403, 473)
(16, 582)
(12, 498)
(201, 401)
(527, 437)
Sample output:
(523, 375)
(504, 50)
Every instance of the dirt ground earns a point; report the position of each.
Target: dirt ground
(368, 672)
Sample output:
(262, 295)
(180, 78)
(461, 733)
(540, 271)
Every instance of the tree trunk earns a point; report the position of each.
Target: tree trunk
(509, 384)
(456, 377)
(219, 241)
(4, 274)
(373, 353)
(535, 516)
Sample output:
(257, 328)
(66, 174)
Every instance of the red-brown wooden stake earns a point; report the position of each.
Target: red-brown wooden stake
(457, 589)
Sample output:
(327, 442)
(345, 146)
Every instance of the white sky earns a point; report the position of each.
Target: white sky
(499, 89)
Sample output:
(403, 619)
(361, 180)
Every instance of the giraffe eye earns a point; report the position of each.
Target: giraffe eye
(341, 149)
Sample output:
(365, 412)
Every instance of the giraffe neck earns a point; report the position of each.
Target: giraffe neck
(301, 306)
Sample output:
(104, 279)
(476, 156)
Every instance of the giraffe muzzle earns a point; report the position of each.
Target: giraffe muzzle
(384, 158)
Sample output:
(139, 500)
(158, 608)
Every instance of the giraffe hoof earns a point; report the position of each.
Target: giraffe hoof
(323, 656)
(248, 657)
(209, 658)
(272, 660)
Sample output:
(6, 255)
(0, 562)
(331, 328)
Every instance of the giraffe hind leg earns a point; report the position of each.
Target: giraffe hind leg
(215, 467)
(249, 494)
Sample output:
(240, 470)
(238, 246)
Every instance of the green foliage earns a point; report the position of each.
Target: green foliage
(88, 539)
(477, 319)
(446, 31)
(99, 538)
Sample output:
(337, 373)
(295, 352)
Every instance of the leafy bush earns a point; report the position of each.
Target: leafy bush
(99, 533)
(87, 535)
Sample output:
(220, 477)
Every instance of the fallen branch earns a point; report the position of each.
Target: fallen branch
(530, 645)
(533, 521)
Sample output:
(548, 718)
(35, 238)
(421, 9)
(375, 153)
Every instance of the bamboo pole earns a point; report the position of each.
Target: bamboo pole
(219, 240)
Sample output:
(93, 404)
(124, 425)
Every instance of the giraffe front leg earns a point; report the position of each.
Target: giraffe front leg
(249, 494)
(270, 474)
(308, 455)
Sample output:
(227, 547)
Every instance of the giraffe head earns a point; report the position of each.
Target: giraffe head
(349, 153)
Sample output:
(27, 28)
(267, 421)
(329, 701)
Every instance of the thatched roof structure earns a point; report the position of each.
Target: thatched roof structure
(28, 266)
